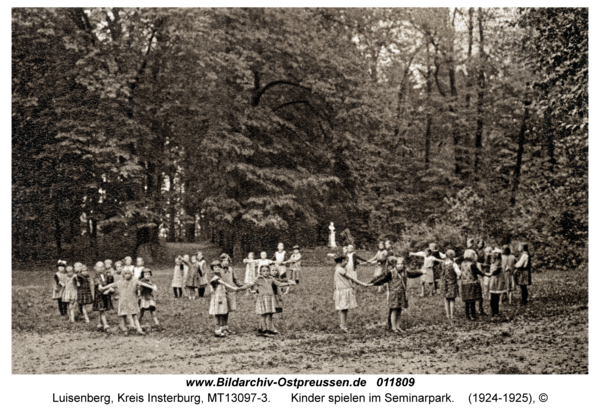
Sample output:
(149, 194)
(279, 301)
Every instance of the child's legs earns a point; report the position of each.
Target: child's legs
(201, 292)
(175, 292)
(269, 322)
(226, 319)
(451, 305)
(130, 321)
(447, 307)
(343, 318)
(122, 323)
(154, 317)
(472, 305)
(103, 319)
(393, 318)
(71, 311)
(262, 323)
(85, 314)
(142, 310)
(136, 322)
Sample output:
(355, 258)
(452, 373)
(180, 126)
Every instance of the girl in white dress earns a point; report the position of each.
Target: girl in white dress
(427, 269)
(279, 259)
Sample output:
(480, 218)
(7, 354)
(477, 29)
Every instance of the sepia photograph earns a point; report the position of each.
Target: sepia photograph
(299, 191)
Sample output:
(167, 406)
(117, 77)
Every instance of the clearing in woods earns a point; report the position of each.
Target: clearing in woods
(550, 335)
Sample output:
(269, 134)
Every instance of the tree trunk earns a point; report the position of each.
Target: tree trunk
(520, 150)
(429, 118)
(171, 234)
(469, 53)
(57, 231)
(548, 142)
(480, 95)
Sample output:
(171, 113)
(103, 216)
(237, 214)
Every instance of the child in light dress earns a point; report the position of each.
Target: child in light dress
(343, 294)
(177, 283)
(427, 269)
(69, 296)
(251, 264)
(262, 261)
(128, 300)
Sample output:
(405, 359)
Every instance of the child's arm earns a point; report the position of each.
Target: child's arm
(456, 269)
(283, 283)
(413, 274)
(247, 285)
(220, 281)
(151, 286)
(105, 287)
(417, 254)
(354, 280)
(382, 279)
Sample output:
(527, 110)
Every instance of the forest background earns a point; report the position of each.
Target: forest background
(251, 126)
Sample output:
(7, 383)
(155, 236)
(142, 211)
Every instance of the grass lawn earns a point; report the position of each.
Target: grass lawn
(548, 336)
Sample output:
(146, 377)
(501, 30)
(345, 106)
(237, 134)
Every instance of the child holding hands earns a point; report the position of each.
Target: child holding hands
(266, 302)
(343, 295)
(128, 301)
(397, 279)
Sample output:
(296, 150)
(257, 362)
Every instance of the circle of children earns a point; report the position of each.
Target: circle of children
(481, 273)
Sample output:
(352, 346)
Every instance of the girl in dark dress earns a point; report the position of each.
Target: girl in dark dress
(397, 278)
(449, 280)
(470, 285)
(523, 272)
(84, 291)
(102, 302)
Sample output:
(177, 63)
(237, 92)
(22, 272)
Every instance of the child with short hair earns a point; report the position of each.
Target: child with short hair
(102, 302)
(139, 267)
(219, 306)
(147, 301)
(263, 261)
(266, 302)
(396, 278)
(60, 278)
(203, 270)
(274, 273)
(128, 264)
(497, 284)
(508, 266)
(69, 296)
(450, 272)
(177, 283)
(128, 302)
(427, 269)
(193, 278)
(229, 278)
(470, 285)
(85, 295)
(251, 263)
(343, 295)
(295, 264)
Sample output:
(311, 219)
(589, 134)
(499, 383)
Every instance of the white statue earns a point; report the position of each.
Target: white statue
(332, 236)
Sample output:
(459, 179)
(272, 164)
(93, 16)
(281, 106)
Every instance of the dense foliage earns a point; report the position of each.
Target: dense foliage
(258, 125)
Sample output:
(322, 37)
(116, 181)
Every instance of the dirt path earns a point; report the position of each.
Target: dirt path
(524, 346)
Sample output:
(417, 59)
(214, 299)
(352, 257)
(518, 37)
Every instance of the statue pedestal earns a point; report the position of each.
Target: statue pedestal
(332, 236)
(332, 240)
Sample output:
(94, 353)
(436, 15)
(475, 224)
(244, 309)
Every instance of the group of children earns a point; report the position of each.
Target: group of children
(486, 273)
(128, 284)
(489, 273)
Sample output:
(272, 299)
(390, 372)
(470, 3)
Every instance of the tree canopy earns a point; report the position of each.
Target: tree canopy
(267, 124)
